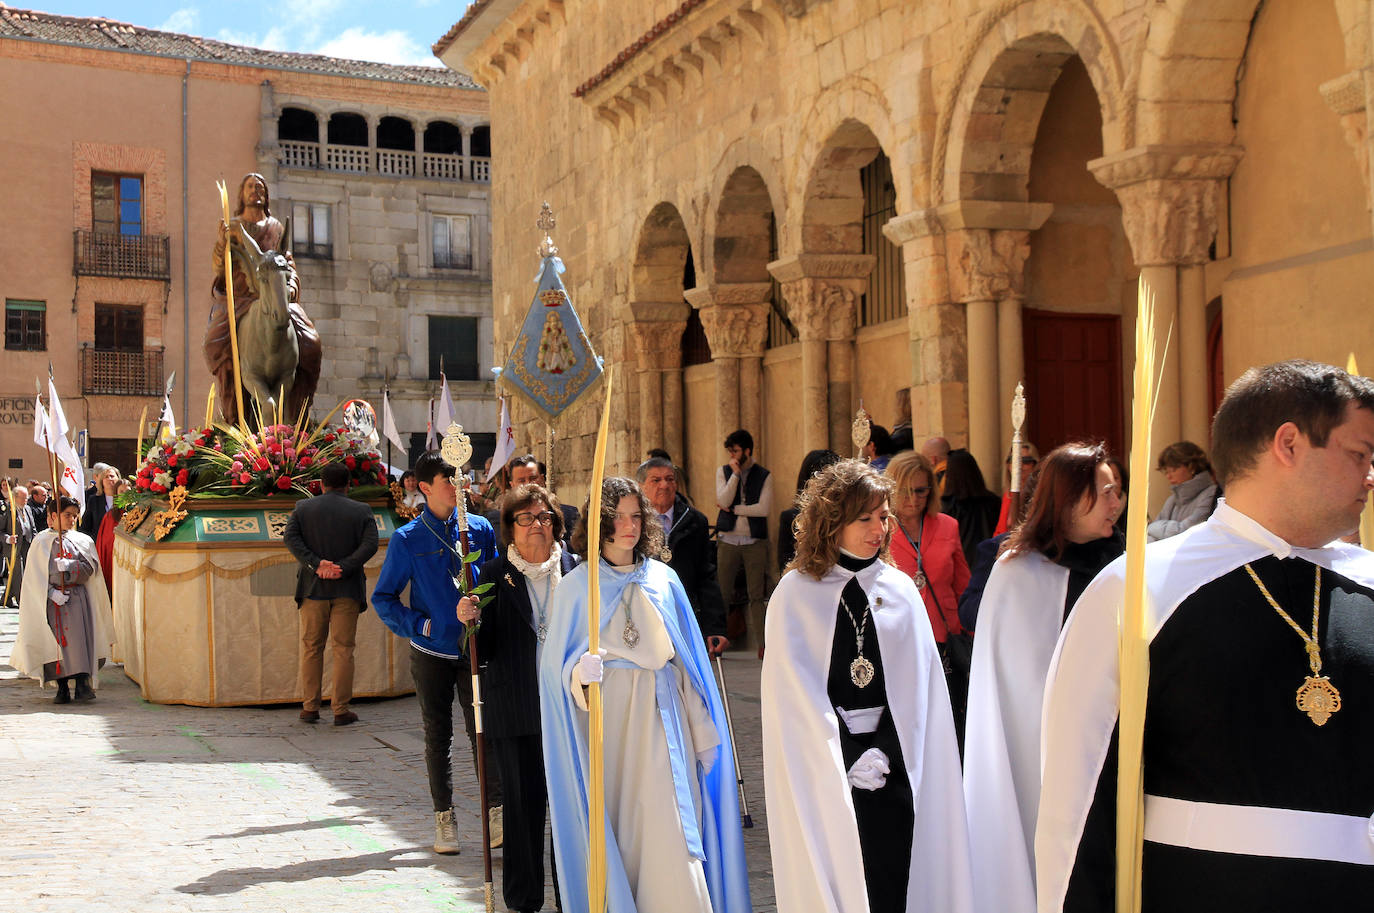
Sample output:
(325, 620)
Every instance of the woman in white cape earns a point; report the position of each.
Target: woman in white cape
(63, 587)
(865, 812)
(1046, 563)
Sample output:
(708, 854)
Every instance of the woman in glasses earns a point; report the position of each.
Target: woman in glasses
(925, 547)
(673, 838)
(865, 812)
(1066, 538)
(523, 582)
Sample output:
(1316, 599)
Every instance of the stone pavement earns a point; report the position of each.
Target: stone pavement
(123, 805)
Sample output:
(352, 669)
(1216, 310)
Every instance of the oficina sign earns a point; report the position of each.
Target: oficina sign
(16, 410)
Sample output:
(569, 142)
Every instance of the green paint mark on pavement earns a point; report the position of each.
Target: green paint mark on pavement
(257, 775)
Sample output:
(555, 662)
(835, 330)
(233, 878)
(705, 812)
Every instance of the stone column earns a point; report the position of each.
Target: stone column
(736, 327)
(822, 293)
(656, 337)
(1169, 197)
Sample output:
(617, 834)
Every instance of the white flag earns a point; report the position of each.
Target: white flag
(505, 443)
(57, 422)
(168, 421)
(73, 474)
(389, 424)
(40, 424)
(430, 443)
(445, 417)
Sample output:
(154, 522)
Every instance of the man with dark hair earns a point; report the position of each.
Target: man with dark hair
(332, 537)
(1259, 720)
(689, 540)
(878, 451)
(426, 555)
(744, 494)
(526, 470)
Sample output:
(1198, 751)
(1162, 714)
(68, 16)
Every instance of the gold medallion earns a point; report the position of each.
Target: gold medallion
(1318, 698)
(861, 672)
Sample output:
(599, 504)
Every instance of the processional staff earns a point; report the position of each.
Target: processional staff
(861, 432)
(456, 451)
(596, 752)
(1018, 419)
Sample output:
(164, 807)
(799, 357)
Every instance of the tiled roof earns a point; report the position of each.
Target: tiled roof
(473, 11)
(639, 44)
(107, 34)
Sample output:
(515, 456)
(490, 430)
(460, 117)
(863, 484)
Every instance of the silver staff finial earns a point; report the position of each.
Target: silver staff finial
(546, 224)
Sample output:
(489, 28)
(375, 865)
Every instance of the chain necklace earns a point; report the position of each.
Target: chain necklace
(920, 577)
(861, 670)
(630, 635)
(541, 608)
(1317, 697)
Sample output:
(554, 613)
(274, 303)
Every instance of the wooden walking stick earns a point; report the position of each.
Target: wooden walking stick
(596, 754)
(456, 451)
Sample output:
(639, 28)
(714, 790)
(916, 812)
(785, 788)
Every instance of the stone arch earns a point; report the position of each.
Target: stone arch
(849, 124)
(743, 235)
(660, 255)
(1191, 63)
(733, 188)
(995, 102)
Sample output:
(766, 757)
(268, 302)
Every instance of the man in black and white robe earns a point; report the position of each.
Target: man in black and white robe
(1253, 802)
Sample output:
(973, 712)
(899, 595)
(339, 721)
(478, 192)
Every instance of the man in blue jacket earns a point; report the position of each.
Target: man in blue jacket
(426, 555)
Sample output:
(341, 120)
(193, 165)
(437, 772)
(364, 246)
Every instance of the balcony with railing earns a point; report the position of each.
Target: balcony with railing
(100, 253)
(121, 373)
(386, 162)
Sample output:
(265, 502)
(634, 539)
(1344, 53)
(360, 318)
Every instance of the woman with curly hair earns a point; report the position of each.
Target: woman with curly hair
(672, 817)
(1066, 538)
(865, 810)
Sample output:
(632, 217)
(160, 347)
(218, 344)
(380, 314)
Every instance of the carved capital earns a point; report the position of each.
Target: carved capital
(821, 308)
(1345, 95)
(986, 265)
(822, 266)
(735, 330)
(1169, 197)
(657, 343)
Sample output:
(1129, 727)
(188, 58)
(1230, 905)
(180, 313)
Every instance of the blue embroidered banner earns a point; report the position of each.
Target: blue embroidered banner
(551, 362)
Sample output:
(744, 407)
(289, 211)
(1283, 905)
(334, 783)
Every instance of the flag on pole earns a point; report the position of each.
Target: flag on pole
(389, 423)
(73, 479)
(429, 428)
(505, 443)
(445, 416)
(40, 423)
(57, 421)
(167, 420)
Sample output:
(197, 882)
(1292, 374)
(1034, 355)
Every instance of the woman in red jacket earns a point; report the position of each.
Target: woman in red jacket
(925, 544)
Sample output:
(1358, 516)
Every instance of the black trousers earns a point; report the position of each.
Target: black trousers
(521, 759)
(437, 681)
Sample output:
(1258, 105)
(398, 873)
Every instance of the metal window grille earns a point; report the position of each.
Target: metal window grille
(886, 296)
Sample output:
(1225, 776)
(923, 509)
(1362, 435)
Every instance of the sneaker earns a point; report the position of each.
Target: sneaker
(445, 834)
(494, 829)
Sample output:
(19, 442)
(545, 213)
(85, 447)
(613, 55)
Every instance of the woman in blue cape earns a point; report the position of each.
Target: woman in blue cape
(673, 839)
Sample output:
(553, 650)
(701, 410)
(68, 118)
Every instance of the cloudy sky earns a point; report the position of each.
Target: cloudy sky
(398, 31)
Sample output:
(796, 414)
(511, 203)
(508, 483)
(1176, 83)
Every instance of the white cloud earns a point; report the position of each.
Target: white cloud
(183, 21)
(393, 46)
(273, 40)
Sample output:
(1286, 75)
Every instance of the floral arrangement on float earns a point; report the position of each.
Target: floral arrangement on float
(277, 460)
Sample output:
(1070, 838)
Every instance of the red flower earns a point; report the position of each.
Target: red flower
(244, 478)
(284, 483)
(158, 488)
(329, 438)
(142, 482)
(183, 477)
(367, 465)
(350, 462)
(172, 460)
(305, 461)
(261, 464)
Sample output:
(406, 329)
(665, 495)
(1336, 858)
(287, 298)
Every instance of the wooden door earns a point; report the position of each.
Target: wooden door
(1073, 379)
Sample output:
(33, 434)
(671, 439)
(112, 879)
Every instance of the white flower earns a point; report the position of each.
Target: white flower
(183, 448)
(163, 478)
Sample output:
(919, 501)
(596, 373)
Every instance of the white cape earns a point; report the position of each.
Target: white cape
(817, 862)
(35, 644)
(1082, 689)
(1018, 627)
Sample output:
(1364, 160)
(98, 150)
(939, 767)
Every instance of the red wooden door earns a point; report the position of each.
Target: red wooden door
(1073, 379)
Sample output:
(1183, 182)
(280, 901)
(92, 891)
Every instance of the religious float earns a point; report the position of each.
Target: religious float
(204, 585)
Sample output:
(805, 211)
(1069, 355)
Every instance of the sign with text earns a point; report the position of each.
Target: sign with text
(16, 410)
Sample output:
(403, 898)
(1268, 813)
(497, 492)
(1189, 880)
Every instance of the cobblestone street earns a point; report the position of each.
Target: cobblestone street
(123, 805)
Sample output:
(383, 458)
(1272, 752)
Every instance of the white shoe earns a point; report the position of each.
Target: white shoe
(494, 826)
(445, 834)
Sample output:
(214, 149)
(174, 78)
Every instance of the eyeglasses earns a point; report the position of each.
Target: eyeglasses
(543, 519)
(918, 492)
(1025, 461)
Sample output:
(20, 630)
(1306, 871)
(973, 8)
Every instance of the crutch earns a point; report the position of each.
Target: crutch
(734, 747)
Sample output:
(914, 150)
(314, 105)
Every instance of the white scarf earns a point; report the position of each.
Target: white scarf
(532, 572)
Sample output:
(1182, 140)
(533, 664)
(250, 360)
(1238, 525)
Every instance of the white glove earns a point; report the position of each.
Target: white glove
(589, 667)
(65, 564)
(870, 771)
(57, 596)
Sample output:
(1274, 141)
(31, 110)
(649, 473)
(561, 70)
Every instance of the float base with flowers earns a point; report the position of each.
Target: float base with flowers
(204, 586)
